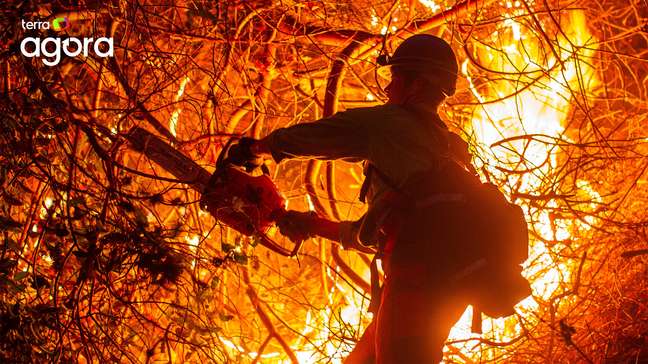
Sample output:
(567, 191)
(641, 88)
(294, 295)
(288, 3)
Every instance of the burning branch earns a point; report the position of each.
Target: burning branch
(105, 256)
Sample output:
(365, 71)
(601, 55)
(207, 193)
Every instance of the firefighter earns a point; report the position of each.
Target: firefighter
(420, 250)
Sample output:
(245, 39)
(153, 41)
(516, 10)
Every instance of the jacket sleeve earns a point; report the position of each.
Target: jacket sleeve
(343, 135)
(349, 236)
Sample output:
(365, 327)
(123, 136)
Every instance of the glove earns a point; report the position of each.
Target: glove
(240, 154)
(297, 226)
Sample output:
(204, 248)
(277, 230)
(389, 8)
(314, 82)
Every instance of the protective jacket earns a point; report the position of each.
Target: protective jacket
(419, 303)
(398, 141)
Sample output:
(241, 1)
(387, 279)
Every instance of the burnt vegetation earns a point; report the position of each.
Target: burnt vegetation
(106, 257)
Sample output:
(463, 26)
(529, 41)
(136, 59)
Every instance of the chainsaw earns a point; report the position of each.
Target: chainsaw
(246, 203)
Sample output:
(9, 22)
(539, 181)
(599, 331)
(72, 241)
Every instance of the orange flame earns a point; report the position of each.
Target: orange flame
(534, 104)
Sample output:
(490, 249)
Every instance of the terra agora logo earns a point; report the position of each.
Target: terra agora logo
(51, 49)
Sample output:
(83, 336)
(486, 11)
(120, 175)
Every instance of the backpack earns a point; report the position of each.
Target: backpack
(500, 239)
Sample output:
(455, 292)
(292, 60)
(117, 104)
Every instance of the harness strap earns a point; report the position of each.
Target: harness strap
(365, 184)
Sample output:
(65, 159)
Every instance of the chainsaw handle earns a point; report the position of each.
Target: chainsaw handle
(272, 245)
(224, 158)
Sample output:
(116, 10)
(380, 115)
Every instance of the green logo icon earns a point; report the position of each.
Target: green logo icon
(59, 24)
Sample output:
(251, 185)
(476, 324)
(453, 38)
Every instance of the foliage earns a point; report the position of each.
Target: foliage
(106, 257)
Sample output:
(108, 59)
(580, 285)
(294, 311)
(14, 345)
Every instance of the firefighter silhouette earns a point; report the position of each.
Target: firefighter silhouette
(423, 246)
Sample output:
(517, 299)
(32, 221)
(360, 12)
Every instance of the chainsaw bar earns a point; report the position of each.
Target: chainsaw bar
(182, 167)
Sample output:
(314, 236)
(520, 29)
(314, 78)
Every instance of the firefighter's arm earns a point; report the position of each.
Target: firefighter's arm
(344, 232)
(299, 226)
(344, 135)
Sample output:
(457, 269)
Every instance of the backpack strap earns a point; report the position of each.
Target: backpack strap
(370, 172)
(365, 184)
